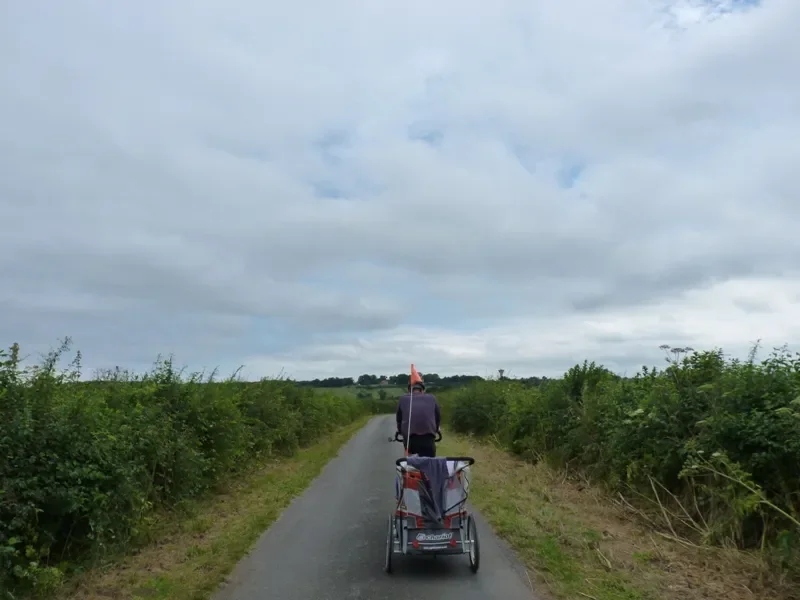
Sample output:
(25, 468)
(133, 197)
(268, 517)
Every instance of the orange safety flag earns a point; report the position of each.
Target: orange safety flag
(415, 378)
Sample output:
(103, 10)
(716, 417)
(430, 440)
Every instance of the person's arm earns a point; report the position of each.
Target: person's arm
(399, 415)
(438, 414)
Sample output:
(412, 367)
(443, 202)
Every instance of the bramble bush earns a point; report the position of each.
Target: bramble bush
(714, 442)
(83, 463)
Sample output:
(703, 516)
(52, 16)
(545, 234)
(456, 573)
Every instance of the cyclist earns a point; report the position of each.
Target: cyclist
(425, 420)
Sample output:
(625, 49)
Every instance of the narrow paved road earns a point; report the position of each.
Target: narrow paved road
(329, 543)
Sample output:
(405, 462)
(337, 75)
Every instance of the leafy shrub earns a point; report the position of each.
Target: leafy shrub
(720, 437)
(82, 463)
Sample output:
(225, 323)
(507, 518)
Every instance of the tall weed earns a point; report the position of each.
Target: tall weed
(82, 463)
(717, 440)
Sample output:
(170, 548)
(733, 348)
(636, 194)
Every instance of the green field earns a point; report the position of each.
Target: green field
(373, 390)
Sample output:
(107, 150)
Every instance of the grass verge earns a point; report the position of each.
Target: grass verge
(579, 543)
(190, 553)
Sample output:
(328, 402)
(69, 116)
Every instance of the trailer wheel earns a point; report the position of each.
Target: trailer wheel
(387, 565)
(474, 545)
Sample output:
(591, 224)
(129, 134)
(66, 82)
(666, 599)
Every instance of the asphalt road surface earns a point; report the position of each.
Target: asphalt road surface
(329, 544)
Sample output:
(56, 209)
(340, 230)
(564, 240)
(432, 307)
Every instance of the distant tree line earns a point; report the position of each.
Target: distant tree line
(328, 382)
(401, 380)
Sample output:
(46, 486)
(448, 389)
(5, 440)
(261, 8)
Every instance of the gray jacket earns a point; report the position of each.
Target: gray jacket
(425, 414)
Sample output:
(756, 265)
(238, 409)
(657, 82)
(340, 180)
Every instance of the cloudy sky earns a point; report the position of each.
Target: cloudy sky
(334, 188)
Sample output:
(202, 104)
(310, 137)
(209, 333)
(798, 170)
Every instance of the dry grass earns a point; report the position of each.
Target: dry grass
(580, 543)
(192, 553)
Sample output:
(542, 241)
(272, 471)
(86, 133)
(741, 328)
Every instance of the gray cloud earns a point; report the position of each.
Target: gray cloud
(256, 184)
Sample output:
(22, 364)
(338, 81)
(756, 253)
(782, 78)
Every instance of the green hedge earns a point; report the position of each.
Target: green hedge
(721, 436)
(83, 463)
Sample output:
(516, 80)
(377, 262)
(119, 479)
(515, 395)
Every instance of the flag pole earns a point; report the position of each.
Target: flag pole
(410, 405)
